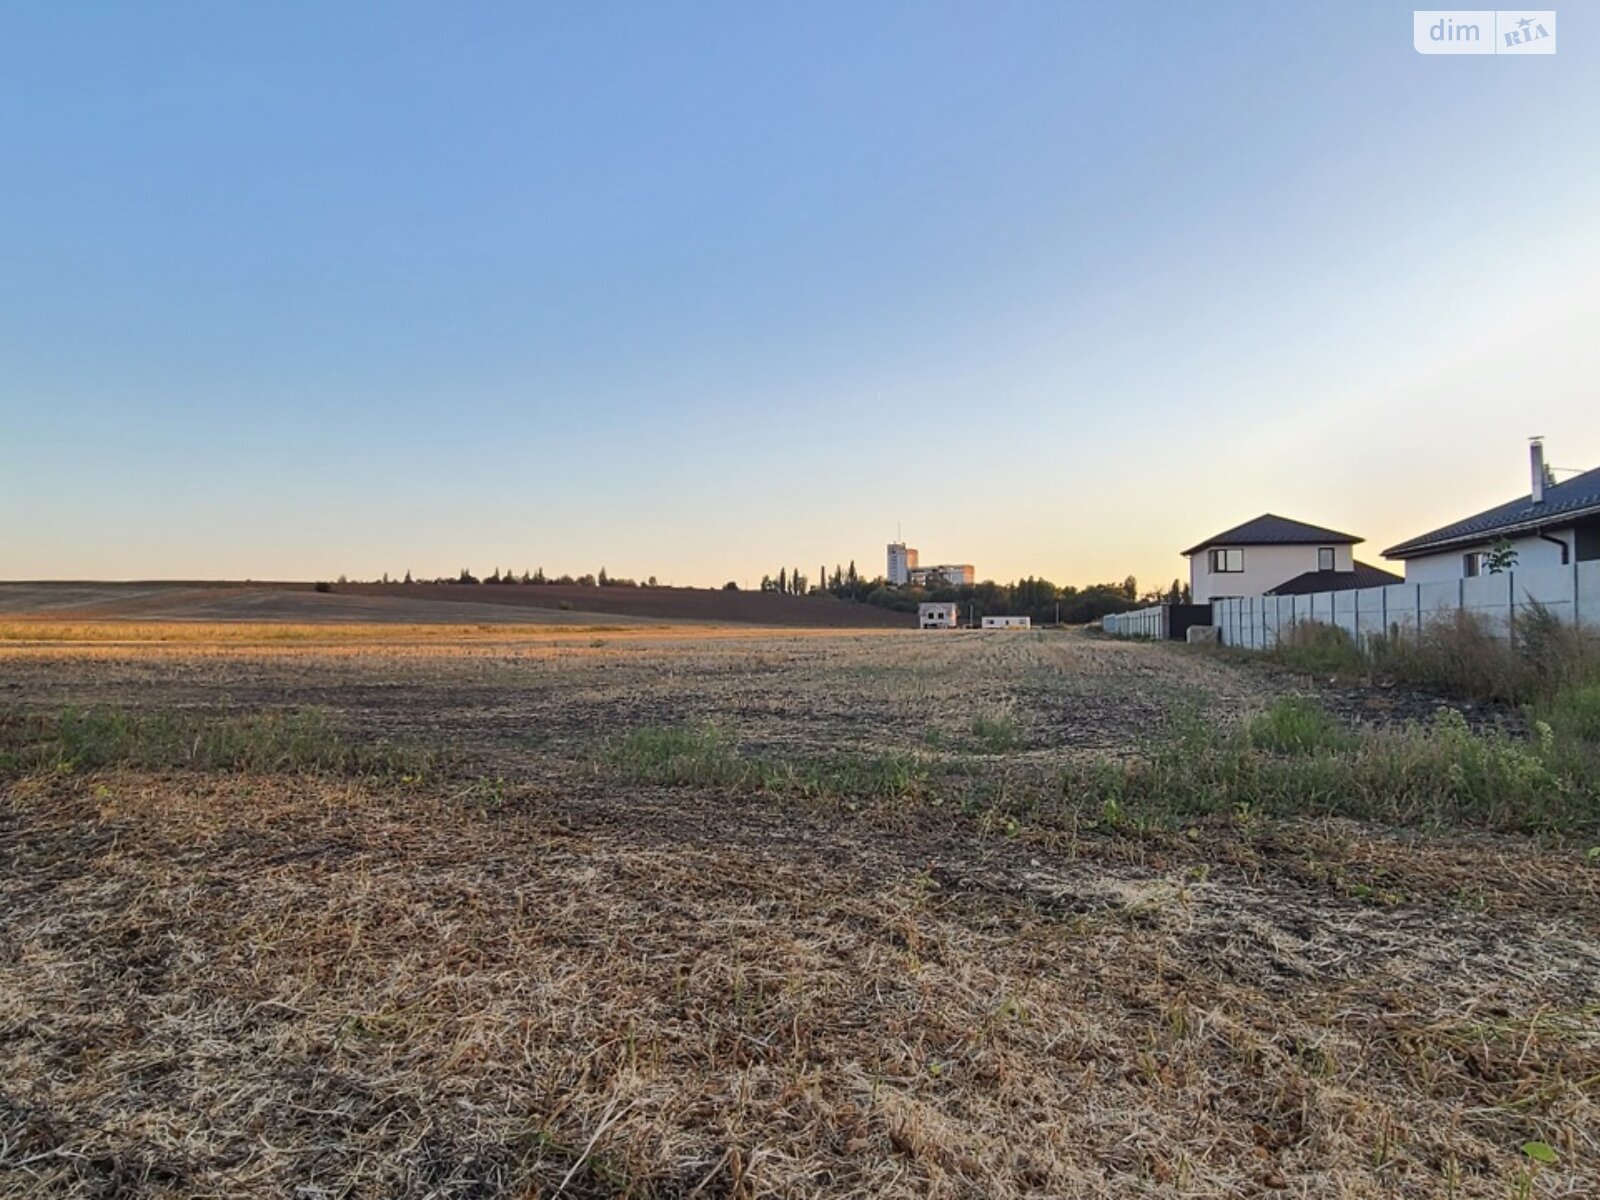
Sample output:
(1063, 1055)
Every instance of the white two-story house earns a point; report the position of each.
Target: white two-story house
(1260, 555)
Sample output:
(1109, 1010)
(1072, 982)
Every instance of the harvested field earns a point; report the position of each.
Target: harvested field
(560, 959)
(429, 603)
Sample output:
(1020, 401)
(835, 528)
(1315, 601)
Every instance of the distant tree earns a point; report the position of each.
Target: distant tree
(604, 579)
(1130, 587)
(538, 574)
(766, 583)
(585, 581)
(408, 575)
(322, 585)
(466, 576)
(342, 579)
(783, 580)
(731, 586)
(651, 582)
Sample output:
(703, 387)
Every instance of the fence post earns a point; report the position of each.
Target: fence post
(1511, 606)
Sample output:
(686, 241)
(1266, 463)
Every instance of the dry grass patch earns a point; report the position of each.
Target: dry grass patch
(247, 985)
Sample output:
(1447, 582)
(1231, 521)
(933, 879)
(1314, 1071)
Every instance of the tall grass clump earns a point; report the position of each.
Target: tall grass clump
(703, 756)
(1319, 649)
(1297, 725)
(1459, 654)
(1576, 713)
(1463, 655)
(681, 756)
(996, 732)
(1291, 762)
(303, 740)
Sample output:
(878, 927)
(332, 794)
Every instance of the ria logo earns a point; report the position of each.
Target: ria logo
(1528, 31)
(1483, 31)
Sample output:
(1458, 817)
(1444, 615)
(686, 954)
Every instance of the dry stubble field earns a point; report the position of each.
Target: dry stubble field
(531, 967)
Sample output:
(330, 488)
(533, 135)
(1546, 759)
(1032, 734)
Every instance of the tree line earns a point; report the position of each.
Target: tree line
(1037, 598)
(533, 578)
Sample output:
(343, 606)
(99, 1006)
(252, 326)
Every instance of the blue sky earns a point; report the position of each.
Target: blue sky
(702, 290)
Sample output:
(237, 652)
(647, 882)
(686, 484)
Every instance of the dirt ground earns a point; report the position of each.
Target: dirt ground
(532, 979)
(498, 692)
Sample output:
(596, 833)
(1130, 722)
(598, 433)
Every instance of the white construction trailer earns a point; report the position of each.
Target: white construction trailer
(1007, 622)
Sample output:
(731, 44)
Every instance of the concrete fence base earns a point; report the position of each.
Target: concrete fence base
(1571, 593)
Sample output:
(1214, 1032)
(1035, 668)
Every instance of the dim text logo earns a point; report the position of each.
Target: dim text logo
(1483, 31)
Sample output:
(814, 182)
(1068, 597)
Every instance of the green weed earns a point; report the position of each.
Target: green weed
(702, 756)
(996, 733)
(1298, 725)
(296, 741)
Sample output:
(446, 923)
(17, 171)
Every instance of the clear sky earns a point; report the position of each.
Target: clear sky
(700, 290)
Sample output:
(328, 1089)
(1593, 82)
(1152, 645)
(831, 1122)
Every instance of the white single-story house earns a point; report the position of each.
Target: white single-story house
(1007, 622)
(1253, 558)
(937, 616)
(1554, 525)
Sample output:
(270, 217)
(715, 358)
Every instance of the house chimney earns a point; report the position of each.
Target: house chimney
(1536, 464)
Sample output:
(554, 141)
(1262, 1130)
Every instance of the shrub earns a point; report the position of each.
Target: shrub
(322, 585)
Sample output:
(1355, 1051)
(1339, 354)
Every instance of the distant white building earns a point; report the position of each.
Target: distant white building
(937, 616)
(1008, 622)
(902, 561)
(944, 575)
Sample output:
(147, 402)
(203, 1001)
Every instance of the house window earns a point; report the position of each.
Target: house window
(1324, 558)
(1227, 562)
(1472, 564)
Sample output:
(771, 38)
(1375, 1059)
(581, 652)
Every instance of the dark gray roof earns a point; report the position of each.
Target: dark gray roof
(1364, 576)
(1563, 502)
(1270, 530)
